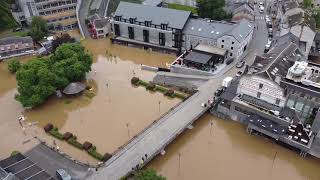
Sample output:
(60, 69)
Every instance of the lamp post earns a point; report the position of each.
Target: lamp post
(128, 130)
(159, 105)
(179, 162)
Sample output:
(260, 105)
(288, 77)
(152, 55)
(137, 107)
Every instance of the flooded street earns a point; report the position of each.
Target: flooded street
(227, 151)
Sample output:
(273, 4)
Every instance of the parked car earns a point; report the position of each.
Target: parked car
(239, 73)
(261, 9)
(255, 2)
(63, 175)
(218, 92)
(261, 3)
(240, 64)
(270, 30)
(267, 47)
(17, 29)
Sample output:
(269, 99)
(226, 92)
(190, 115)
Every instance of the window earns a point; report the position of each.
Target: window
(277, 101)
(147, 23)
(131, 32)
(145, 35)
(162, 39)
(222, 40)
(222, 46)
(230, 54)
(132, 20)
(231, 48)
(117, 29)
(118, 18)
(260, 86)
(290, 103)
(164, 26)
(232, 42)
(258, 94)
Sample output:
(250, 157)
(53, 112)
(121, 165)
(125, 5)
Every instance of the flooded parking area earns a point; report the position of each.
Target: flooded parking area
(224, 150)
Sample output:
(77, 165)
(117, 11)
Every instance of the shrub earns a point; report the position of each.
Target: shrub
(14, 65)
(87, 145)
(55, 133)
(161, 89)
(142, 83)
(93, 152)
(151, 86)
(135, 80)
(13, 153)
(106, 156)
(169, 93)
(179, 95)
(67, 135)
(73, 141)
(48, 127)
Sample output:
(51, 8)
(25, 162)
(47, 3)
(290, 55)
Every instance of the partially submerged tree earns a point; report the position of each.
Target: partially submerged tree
(148, 174)
(39, 28)
(14, 65)
(41, 77)
(64, 38)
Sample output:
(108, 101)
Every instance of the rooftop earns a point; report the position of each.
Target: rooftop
(12, 43)
(202, 58)
(100, 23)
(215, 29)
(152, 2)
(157, 15)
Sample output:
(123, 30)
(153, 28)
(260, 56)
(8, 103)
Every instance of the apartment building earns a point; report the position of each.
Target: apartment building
(60, 14)
(16, 46)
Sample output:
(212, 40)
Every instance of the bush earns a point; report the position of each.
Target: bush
(48, 127)
(161, 89)
(55, 133)
(106, 156)
(151, 86)
(13, 153)
(73, 141)
(179, 95)
(169, 93)
(135, 80)
(14, 65)
(142, 83)
(67, 135)
(93, 152)
(87, 145)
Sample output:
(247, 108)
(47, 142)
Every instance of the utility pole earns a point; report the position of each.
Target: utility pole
(179, 163)
(159, 106)
(128, 130)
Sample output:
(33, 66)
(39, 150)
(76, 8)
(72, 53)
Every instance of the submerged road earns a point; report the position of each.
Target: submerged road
(162, 132)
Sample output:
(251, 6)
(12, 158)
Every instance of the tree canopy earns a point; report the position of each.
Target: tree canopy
(148, 174)
(317, 18)
(212, 9)
(64, 38)
(307, 3)
(14, 65)
(41, 77)
(39, 28)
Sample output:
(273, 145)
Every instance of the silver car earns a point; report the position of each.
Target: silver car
(63, 175)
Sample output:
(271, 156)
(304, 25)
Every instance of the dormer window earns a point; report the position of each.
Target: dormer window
(117, 18)
(147, 23)
(164, 26)
(132, 20)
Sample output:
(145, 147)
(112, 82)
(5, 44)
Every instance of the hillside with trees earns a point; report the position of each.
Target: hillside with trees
(6, 18)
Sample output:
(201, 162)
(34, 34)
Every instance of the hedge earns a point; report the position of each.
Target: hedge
(55, 133)
(73, 141)
(93, 152)
(179, 95)
(135, 80)
(13, 153)
(151, 87)
(161, 89)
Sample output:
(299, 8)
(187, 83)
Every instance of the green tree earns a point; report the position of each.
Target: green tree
(212, 9)
(307, 3)
(148, 174)
(39, 28)
(14, 65)
(317, 18)
(64, 38)
(39, 78)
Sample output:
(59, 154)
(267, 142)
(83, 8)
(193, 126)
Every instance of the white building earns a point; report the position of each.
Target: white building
(234, 37)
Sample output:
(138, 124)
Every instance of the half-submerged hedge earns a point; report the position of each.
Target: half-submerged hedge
(153, 87)
(72, 140)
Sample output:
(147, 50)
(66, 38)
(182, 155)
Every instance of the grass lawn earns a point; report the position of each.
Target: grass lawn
(183, 7)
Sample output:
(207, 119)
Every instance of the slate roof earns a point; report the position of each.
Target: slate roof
(198, 57)
(244, 8)
(74, 88)
(290, 5)
(15, 40)
(231, 90)
(215, 29)
(174, 18)
(152, 2)
(100, 23)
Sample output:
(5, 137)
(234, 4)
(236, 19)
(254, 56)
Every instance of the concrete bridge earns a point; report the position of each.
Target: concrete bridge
(158, 135)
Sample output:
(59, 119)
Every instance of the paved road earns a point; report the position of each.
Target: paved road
(50, 161)
(82, 14)
(161, 133)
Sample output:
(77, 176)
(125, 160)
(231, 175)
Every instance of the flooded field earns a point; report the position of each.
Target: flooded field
(226, 151)
(117, 112)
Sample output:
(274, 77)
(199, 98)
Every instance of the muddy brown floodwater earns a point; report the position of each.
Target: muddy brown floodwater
(117, 112)
(226, 151)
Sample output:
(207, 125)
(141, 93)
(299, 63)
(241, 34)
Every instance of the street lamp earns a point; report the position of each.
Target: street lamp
(159, 106)
(128, 130)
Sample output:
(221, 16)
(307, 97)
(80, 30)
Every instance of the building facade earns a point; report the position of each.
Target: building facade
(149, 26)
(16, 46)
(60, 14)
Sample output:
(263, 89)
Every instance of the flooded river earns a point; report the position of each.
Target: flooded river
(222, 150)
(226, 151)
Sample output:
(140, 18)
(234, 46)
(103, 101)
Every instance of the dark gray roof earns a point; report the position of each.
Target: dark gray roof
(244, 8)
(174, 18)
(231, 90)
(290, 5)
(152, 2)
(15, 40)
(311, 90)
(317, 36)
(215, 29)
(74, 88)
(198, 57)
(100, 23)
